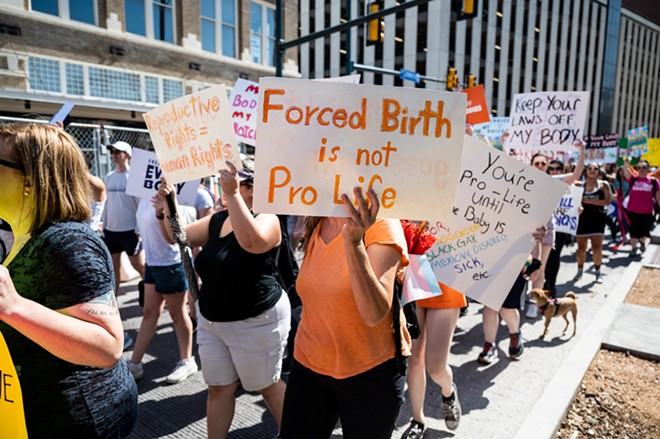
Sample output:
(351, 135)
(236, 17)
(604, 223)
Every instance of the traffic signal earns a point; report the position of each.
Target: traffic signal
(472, 81)
(376, 27)
(452, 79)
(465, 8)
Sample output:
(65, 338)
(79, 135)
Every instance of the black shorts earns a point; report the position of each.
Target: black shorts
(640, 224)
(118, 242)
(515, 298)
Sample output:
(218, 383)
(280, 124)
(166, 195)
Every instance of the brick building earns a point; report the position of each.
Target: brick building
(118, 58)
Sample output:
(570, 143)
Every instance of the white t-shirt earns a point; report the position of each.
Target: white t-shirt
(120, 209)
(157, 251)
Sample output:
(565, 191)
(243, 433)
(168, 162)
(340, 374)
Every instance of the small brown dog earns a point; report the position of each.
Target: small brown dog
(551, 307)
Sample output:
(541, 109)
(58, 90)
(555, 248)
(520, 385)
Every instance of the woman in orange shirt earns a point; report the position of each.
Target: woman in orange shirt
(345, 363)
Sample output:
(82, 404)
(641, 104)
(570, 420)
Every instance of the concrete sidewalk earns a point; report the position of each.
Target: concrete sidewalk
(523, 399)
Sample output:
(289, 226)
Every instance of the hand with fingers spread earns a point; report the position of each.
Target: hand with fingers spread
(360, 219)
(229, 179)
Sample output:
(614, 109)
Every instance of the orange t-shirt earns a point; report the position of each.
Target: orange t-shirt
(450, 298)
(332, 339)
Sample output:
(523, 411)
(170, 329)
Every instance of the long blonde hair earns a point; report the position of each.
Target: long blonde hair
(311, 223)
(55, 171)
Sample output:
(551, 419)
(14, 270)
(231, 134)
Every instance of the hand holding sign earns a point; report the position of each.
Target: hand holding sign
(360, 219)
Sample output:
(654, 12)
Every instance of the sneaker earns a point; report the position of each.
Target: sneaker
(633, 253)
(599, 277)
(532, 311)
(516, 345)
(182, 370)
(414, 431)
(451, 409)
(488, 355)
(578, 275)
(137, 370)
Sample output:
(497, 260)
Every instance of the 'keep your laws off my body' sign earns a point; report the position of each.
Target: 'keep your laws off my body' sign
(550, 120)
(318, 140)
(482, 246)
(193, 135)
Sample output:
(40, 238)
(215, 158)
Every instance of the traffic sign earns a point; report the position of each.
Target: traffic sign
(409, 75)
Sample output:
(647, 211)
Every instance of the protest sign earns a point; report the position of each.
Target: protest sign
(326, 138)
(525, 155)
(12, 417)
(477, 108)
(601, 148)
(601, 155)
(547, 120)
(243, 102)
(144, 179)
(492, 131)
(567, 214)
(481, 247)
(419, 282)
(601, 141)
(638, 141)
(193, 135)
(348, 79)
(653, 155)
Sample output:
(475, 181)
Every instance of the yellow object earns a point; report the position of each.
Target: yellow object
(12, 418)
(468, 7)
(376, 32)
(472, 81)
(653, 156)
(452, 79)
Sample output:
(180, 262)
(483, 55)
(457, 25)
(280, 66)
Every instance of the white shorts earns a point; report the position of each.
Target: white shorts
(250, 350)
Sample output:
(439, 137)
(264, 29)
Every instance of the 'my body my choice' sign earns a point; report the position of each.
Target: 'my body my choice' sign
(318, 140)
(482, 246)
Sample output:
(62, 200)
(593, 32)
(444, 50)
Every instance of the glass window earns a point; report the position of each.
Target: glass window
(208, 25)
(151, 89)
(114, 84)
(82, 10)
(47, 6)
(229, 28)
(172, 89)
(135, 17)
(262, 34)
(75, 84)
(163, 20)
(44, 74)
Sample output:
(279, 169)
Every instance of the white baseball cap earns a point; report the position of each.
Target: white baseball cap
(122, 146)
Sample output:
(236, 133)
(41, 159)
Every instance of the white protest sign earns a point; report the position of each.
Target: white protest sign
(550, 120)
(348, 79)
(419, 282)
(319, 140)
(193, 135)
(144, 179)
(567, 215)
(482, 246)
(244, 104)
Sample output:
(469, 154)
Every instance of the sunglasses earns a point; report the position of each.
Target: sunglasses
(592, 169)
(641, 168)
(554, 168)
(540, 163)
(115, 151)
(9, 164)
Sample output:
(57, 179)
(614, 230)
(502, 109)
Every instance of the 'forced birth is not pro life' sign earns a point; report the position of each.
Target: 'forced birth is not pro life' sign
(319, 140)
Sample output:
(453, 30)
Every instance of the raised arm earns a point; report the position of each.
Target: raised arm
(579, 167)
(197, 232)
(627, 173)
(373, 270)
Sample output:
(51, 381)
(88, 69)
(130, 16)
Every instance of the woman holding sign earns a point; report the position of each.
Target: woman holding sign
(346, 365)
(58, 311)
(243, 315)
(591, 227)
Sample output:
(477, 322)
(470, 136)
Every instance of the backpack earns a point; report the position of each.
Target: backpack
(286, 266)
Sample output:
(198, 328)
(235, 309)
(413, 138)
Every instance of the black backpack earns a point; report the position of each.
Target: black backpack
(286, 266)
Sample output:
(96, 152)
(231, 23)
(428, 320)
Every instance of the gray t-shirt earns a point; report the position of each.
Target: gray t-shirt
(120, 209)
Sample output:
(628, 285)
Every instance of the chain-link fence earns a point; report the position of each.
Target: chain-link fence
(93, 138)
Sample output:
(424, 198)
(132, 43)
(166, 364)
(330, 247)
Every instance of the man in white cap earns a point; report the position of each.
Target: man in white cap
(119, 224)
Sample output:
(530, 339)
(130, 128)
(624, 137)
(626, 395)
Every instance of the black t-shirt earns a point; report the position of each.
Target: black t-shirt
(60, 266)
(236, 284)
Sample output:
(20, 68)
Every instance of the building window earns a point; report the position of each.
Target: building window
(75, 82)
(163, 25)
(172, 89)
(77, 10)
(44, 74)
(135, 17)
(151, 89)
(219, 31)
(262, 33)
(114, 84)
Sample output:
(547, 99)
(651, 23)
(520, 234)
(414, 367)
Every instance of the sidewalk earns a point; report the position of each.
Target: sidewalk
(509, 399)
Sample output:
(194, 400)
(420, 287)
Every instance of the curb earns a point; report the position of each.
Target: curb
(545, 417)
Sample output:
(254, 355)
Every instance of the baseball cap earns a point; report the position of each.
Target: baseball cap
(122, 146)
(246, 175)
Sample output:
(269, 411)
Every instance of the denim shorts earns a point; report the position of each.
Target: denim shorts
(168, 280)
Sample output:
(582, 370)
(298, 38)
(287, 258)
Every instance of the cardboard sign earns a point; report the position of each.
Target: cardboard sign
(567, 214)
(477, 108)
(653, 155)
(601, 155)
(525, 155)
(62, 115)
(601, 141)
(419, 282)
(12, 417)
(547, 120)
(326, 138)
(638, 142)
(144, 179)
(348, 79)
(482, 246)
(193, 135)
(243, 101)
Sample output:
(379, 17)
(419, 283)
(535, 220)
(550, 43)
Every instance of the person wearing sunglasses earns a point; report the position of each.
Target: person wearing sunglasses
(642, 195)
(540, 161)
(58, 311)
(591, 226)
